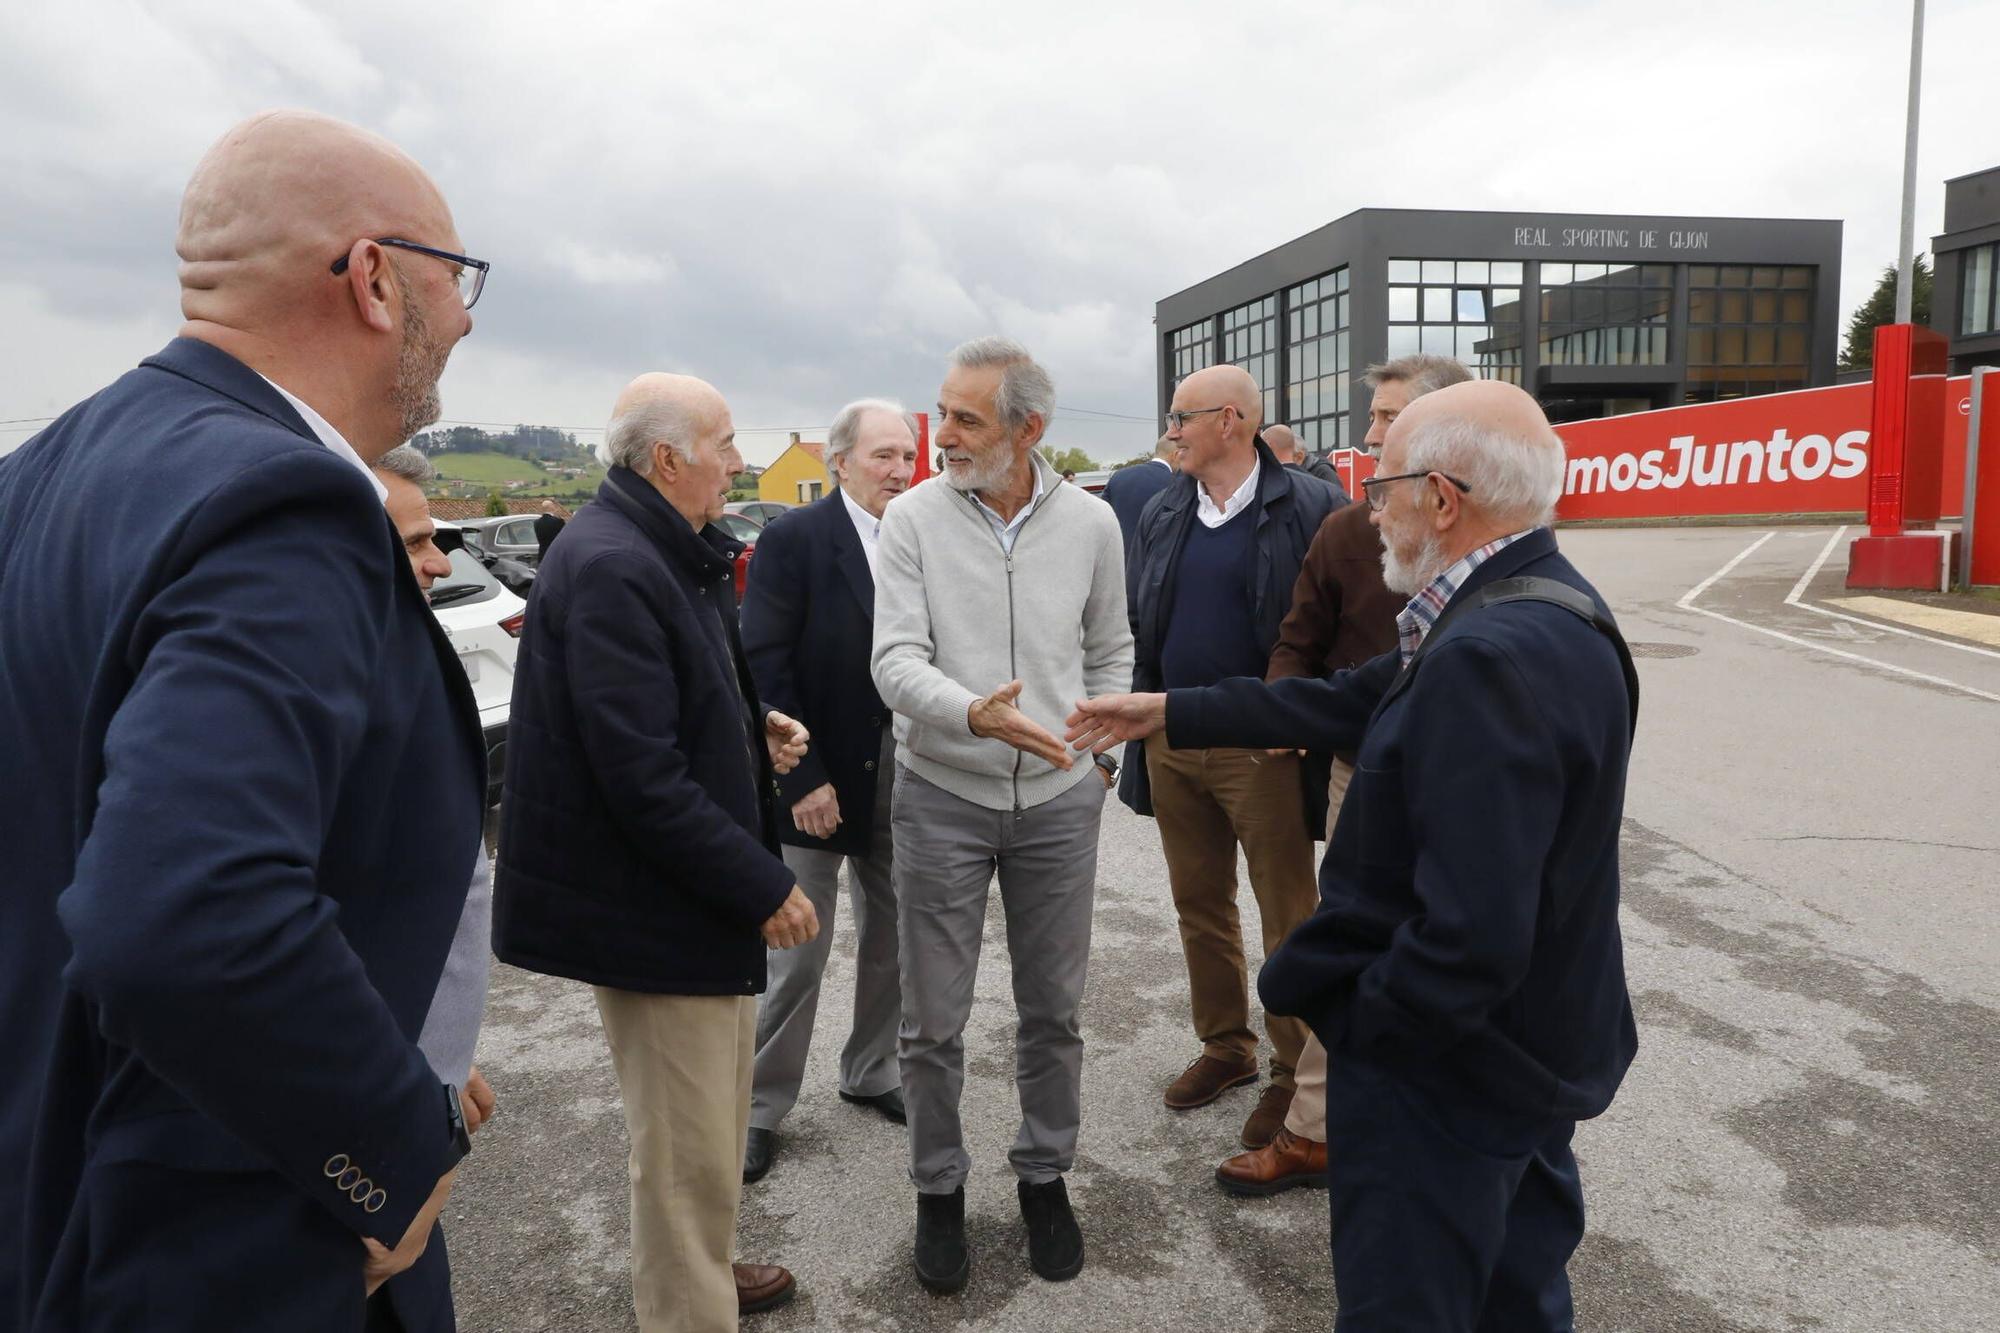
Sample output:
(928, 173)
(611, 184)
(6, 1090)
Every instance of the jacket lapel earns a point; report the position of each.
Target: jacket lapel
(847, 553)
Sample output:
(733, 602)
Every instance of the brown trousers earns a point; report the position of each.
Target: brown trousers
(1206, 803)
(1307, 1118)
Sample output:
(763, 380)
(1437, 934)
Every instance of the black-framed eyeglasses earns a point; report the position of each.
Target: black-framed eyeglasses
(471, 272)
(1372, 488)
(1179, 420)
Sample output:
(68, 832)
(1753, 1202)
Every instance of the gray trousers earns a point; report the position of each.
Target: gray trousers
(791, 996)
(947, 852)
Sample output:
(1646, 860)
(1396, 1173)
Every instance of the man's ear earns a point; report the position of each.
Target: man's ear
(1031, 433)
(666, 460)
(371, 283)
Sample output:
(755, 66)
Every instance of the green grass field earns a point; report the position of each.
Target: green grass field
(486, 469)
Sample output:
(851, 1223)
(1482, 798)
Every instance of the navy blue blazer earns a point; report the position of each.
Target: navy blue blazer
(1290, 507)
(636, 848)
(808, 627)
(245, 780)
(1128, 489)
(1467, 933)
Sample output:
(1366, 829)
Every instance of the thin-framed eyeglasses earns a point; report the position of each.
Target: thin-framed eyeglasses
(1377, 496)
(471, 272)
(1178, 420)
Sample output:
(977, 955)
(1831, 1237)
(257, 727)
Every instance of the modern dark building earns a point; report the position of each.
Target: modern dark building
(1965, 302)
(1594, 315)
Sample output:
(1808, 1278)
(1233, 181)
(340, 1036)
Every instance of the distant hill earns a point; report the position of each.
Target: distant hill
(527, 460)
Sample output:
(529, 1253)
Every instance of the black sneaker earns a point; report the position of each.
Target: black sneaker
(759, 1147)
(943, 1262)
(1055, 1242)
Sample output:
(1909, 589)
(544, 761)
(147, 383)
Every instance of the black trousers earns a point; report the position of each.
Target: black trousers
(1446, 1218)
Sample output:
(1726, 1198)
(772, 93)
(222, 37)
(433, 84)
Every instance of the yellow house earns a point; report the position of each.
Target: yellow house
(795, 477)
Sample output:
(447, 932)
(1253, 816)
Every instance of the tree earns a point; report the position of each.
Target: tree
(495, 506)
(1069, 460)
(1879, 309)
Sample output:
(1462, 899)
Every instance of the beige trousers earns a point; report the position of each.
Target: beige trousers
(1307, 1118)
(684, 1065)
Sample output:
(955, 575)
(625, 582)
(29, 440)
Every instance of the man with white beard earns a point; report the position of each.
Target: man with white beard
(1464, 969)
(999, 601)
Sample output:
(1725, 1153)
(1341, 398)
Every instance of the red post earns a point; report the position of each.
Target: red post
(1903, 548)
(923, 447)
(1984, 519)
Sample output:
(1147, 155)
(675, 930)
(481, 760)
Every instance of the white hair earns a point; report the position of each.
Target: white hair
(407, 462)
(846, 427)
(1515, 480)
(628, 440)
(1025, 388)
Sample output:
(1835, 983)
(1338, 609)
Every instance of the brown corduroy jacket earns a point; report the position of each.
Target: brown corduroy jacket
(1342, 613)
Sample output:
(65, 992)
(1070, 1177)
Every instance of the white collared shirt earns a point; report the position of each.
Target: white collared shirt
(866, 526)
(1007, 530)
(328, 436)
(1210, 516)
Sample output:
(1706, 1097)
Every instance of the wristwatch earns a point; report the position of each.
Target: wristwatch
(454, 1123)
(1108, 764)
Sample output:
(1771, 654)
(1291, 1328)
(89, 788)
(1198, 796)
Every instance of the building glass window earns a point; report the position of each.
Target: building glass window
(1605, 314)
(1316, 362)
(1749, 328)
(1250, 340)
(1190, 349)
(1979, 308)
(1467, 308)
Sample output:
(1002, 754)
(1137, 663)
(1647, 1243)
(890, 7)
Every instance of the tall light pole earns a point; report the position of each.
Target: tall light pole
(1906, 255)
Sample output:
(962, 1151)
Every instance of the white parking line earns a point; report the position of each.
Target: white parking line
(1686, 603)
(1794, 598)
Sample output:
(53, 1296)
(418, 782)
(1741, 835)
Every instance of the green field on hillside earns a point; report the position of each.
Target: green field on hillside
(488, 469)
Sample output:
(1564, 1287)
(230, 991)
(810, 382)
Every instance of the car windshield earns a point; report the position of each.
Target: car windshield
(467, 582)
(739, 527)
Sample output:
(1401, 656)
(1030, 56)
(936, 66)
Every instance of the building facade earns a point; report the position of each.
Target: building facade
(797, 476)
(1594, 315)
(1965, 301)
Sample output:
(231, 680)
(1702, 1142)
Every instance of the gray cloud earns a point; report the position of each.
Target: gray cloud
(809, 203)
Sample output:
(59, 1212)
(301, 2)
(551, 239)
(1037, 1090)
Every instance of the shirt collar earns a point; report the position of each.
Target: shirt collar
(1025, 510)
(1214, 517)
(1414, 622)
(865, 523)
(328, 436)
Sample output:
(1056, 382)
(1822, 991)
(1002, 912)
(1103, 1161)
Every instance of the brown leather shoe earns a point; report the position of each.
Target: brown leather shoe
(1269, 1117)
(1205, 1080)
(762, 1287)
(1289, 1162)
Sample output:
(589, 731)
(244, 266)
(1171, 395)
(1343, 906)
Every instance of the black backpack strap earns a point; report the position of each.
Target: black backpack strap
(1578, 603)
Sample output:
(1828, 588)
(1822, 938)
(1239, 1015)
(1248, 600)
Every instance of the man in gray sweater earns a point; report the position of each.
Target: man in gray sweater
(999, 600)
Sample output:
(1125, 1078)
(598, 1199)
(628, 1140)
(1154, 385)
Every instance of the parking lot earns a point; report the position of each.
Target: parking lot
(1806, 1141)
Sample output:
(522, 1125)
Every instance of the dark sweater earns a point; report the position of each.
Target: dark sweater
(1211, 627)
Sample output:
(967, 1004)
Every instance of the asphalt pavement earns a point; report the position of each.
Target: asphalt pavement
(1806, 1141)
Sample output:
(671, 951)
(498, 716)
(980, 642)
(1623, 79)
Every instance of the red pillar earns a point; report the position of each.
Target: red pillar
(924, 468)
(1903, 548)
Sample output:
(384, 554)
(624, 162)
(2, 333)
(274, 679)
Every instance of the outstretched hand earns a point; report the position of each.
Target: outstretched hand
(996, 716)
(1098, 724)
(784, 740)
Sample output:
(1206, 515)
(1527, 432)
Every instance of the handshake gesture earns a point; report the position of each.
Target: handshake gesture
(1099, 724)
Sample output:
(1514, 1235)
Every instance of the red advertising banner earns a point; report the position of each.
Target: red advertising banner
(1783, 453)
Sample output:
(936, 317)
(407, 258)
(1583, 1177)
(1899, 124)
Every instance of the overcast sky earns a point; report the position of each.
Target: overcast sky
(806, 203)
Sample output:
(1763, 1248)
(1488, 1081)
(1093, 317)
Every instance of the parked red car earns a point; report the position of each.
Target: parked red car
(744, 529)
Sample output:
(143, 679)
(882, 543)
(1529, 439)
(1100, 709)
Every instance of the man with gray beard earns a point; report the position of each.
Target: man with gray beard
(1464, 968)
(999, 601)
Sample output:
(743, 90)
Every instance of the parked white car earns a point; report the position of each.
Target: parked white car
(483, 621)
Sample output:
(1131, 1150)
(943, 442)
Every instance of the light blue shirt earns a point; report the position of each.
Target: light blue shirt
(1003, 529)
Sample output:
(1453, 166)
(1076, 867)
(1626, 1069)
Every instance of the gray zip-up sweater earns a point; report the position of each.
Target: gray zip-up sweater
(956, 617)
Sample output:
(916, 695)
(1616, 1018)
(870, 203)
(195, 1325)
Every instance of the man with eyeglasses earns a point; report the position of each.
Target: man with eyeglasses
(1464, 967)
(1209, 579)
(1342, 615)
(222, 931)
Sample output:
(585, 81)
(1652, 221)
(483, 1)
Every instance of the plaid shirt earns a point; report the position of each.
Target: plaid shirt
(1414, 621)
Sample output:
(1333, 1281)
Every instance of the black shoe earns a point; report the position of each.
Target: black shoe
(943, 1262)
(1055, 1242)
(758, 1150)
(889, 1103)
